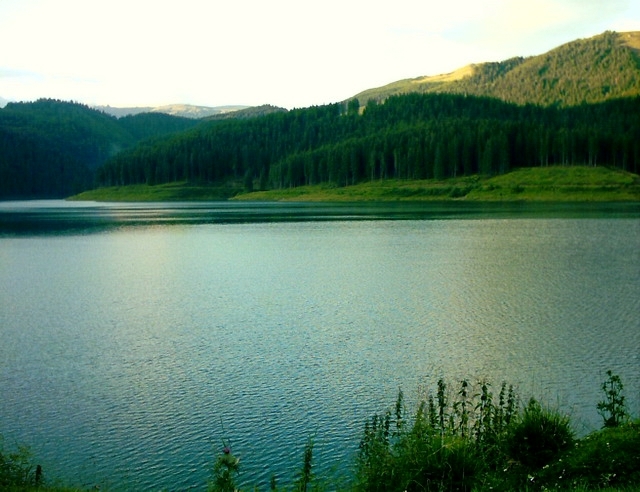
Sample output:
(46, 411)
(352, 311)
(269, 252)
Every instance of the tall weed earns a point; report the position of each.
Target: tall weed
(448, 444)
(612, 409)
(225, 471)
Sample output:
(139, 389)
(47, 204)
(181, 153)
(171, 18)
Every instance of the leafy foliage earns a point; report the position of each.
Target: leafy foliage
(477, 441)
(607, 458)
(17, 468)
(306, 472)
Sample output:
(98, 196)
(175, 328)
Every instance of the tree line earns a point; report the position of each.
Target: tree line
(413, 136)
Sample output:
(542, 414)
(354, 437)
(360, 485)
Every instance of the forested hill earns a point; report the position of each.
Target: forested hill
(590, 70)
(577, 104)
(51, 148)
(411, 136)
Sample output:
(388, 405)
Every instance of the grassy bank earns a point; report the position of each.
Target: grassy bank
(561, 184)
(575, 183)
(465, 436)
(177, 191)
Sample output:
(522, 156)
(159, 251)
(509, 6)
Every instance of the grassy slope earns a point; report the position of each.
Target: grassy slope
(178, 191)
(577, 183)
(574, 183)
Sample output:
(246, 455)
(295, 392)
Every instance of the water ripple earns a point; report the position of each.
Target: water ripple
(266, 335)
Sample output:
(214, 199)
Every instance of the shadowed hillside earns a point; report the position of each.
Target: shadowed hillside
(51, 149)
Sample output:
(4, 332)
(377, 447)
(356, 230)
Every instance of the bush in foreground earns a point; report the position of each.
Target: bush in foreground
(472, 440)
(460, 442)
(17, 468)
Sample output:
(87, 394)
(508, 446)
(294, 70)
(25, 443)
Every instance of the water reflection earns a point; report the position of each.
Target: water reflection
(62, 217)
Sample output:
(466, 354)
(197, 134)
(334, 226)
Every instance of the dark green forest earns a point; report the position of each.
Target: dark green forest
(413, 136)
(51, 149)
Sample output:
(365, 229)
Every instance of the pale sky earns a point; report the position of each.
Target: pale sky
(289, 53)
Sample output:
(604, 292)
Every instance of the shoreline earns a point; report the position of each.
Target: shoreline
(546, 184)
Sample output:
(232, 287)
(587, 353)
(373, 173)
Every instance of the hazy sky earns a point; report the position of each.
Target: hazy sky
(290, 53)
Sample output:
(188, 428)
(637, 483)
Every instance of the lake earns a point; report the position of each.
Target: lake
(137, 337)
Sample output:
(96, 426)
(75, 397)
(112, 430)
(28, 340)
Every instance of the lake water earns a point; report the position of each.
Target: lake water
(136, 337)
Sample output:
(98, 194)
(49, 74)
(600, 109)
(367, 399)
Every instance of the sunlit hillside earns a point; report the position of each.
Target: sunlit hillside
(591, 70)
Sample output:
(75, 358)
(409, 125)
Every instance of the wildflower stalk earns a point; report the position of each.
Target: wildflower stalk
(612, 408)
(225, 469)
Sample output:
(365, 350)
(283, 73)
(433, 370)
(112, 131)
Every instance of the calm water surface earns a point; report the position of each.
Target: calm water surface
(136, 337)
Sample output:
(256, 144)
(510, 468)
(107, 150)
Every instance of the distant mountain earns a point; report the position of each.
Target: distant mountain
(3, 102)
(591, 70)
(182, 110)
(243, 114)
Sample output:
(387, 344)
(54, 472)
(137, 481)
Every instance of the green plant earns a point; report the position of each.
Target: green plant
(447, 463)
(441, 396)
(485, 413)
(224, 472)
(444, 447)
(459, 191)
(612, 408)
(539, 436)
(462, 408)
(375, 461)
(463, 440)
(17, 468)
(306, 475)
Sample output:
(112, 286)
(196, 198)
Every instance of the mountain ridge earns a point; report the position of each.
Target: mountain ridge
(181, 110)
(588, 70)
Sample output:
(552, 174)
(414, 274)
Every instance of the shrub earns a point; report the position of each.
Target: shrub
(17, 469)
(449, 463)
(461, 440)
(539, 436)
